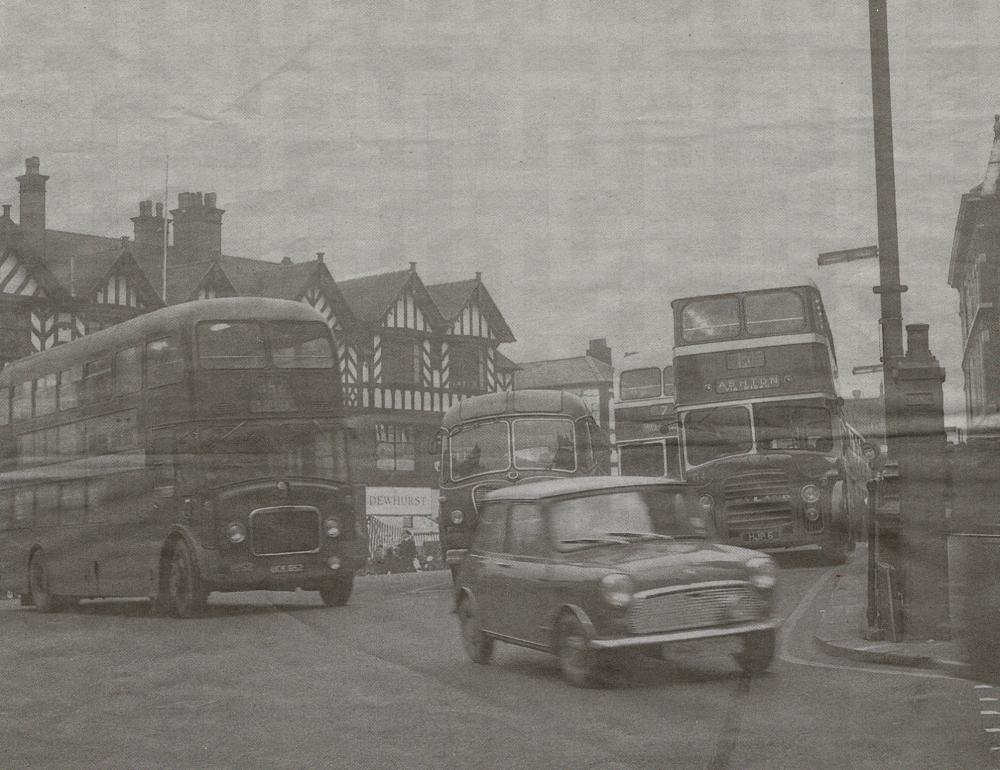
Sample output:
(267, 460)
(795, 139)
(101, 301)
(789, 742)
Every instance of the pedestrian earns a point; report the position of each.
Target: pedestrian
(407, 551)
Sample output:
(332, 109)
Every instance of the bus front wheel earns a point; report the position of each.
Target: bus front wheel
(336, 591)
(38, 581)
(185, 594)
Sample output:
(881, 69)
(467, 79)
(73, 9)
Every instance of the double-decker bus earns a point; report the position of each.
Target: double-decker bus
(761, 426)
(645, 421)
(491, 441)
(197, 448)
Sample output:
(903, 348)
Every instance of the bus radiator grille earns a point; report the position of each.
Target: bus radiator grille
(481, 490)
(282, 530)
(758, 500)
(695, 608)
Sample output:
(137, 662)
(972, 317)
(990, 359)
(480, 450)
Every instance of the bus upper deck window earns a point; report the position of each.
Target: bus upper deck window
(164, 361)
(301, 346)
(230, 345)
(128, 370)
(710, 319)
(775, 312)
(69, 387)
(4, 406)
(97, 379)
(21, 402)
(641, 383)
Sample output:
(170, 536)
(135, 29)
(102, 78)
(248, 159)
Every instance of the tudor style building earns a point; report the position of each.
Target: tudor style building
(407, 351)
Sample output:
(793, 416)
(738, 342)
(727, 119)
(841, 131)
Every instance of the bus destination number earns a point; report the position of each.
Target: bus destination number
(744, 384)
(745, 359)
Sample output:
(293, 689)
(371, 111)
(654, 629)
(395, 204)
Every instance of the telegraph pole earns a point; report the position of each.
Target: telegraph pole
(889, 288)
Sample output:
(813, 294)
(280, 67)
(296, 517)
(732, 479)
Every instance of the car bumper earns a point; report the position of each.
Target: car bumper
(622, 642)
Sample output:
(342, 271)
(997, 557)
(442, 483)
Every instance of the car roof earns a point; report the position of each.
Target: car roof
(537, 490)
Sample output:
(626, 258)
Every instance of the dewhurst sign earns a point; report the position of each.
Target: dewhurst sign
(401, 501)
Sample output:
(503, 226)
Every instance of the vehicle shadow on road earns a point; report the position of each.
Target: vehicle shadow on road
(144, 608)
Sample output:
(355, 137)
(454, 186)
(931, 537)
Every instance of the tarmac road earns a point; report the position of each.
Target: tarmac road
(277, 680)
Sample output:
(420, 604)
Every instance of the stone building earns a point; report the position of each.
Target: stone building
(973, 273)
(407, 351)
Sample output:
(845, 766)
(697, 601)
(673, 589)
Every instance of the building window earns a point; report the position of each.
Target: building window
(400, 362)
(395, 449)
(466, 368)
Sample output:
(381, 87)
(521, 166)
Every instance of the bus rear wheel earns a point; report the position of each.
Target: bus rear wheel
(185, 594)
(336, 591)
(38, 581)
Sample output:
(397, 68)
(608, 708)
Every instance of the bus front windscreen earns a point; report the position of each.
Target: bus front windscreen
(713, 433)
(240, 451)
(793, 426)
(478, 449)
(544, 444)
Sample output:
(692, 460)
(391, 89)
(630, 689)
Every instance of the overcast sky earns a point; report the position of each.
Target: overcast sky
(593, 159)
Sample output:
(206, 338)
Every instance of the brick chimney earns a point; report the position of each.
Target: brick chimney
(33, 204)
(599, 349)
(197, 228)
(148, 232)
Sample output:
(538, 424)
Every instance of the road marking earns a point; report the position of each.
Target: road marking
(989, 699)
(788, 628)
(990, 713)
(993, 729)
(983, 687)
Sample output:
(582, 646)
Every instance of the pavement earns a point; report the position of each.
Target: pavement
(842, 626)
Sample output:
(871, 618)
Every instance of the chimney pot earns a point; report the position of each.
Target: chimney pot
(479, 275)
(286, 260)
(210, 200)
(413, 267)
(159, 211)
(200, 201)
(319, 256)
(31, 165)
(917, 341)
(145, 208)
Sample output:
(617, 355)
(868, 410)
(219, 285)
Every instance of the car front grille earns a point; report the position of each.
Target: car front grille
(758, 500)
(284, 529)
(695, 607)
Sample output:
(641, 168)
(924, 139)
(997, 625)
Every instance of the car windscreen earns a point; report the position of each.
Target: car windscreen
(622, 515)
(478, 449)
(713, 433)
(544, 443)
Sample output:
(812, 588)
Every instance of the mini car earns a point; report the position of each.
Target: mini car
(588, 567)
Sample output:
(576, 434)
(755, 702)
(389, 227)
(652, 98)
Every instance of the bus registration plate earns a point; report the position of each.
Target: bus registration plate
(761, 535)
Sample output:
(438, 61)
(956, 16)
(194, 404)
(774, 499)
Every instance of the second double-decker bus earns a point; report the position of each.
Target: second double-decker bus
(197, 448)
(645, 420)
(498, 439)
(761, 426)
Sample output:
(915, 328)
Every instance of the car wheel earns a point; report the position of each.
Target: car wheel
(758, 651)
(336, 591)
(186, 595)
(578, 663)
(38, 582)
(477, 644)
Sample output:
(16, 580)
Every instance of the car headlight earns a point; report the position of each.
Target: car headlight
(331, 526)
(456, 516)
(707, 503)
(617, 589)
(810, 493)
(763, 572)
(237, 532)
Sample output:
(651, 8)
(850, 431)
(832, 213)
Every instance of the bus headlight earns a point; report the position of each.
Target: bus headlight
(763, 572)
(331, 526)
(617, 589)
(237, 532)
(707, 503)
(812, 514)
(333, 562)
(456, 516)
(810, 493)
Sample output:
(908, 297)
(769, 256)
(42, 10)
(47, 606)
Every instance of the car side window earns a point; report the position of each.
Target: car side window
(527, 535)
(491, 529)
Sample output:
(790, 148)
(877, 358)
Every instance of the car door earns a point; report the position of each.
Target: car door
(484, 569)
(524, 576)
